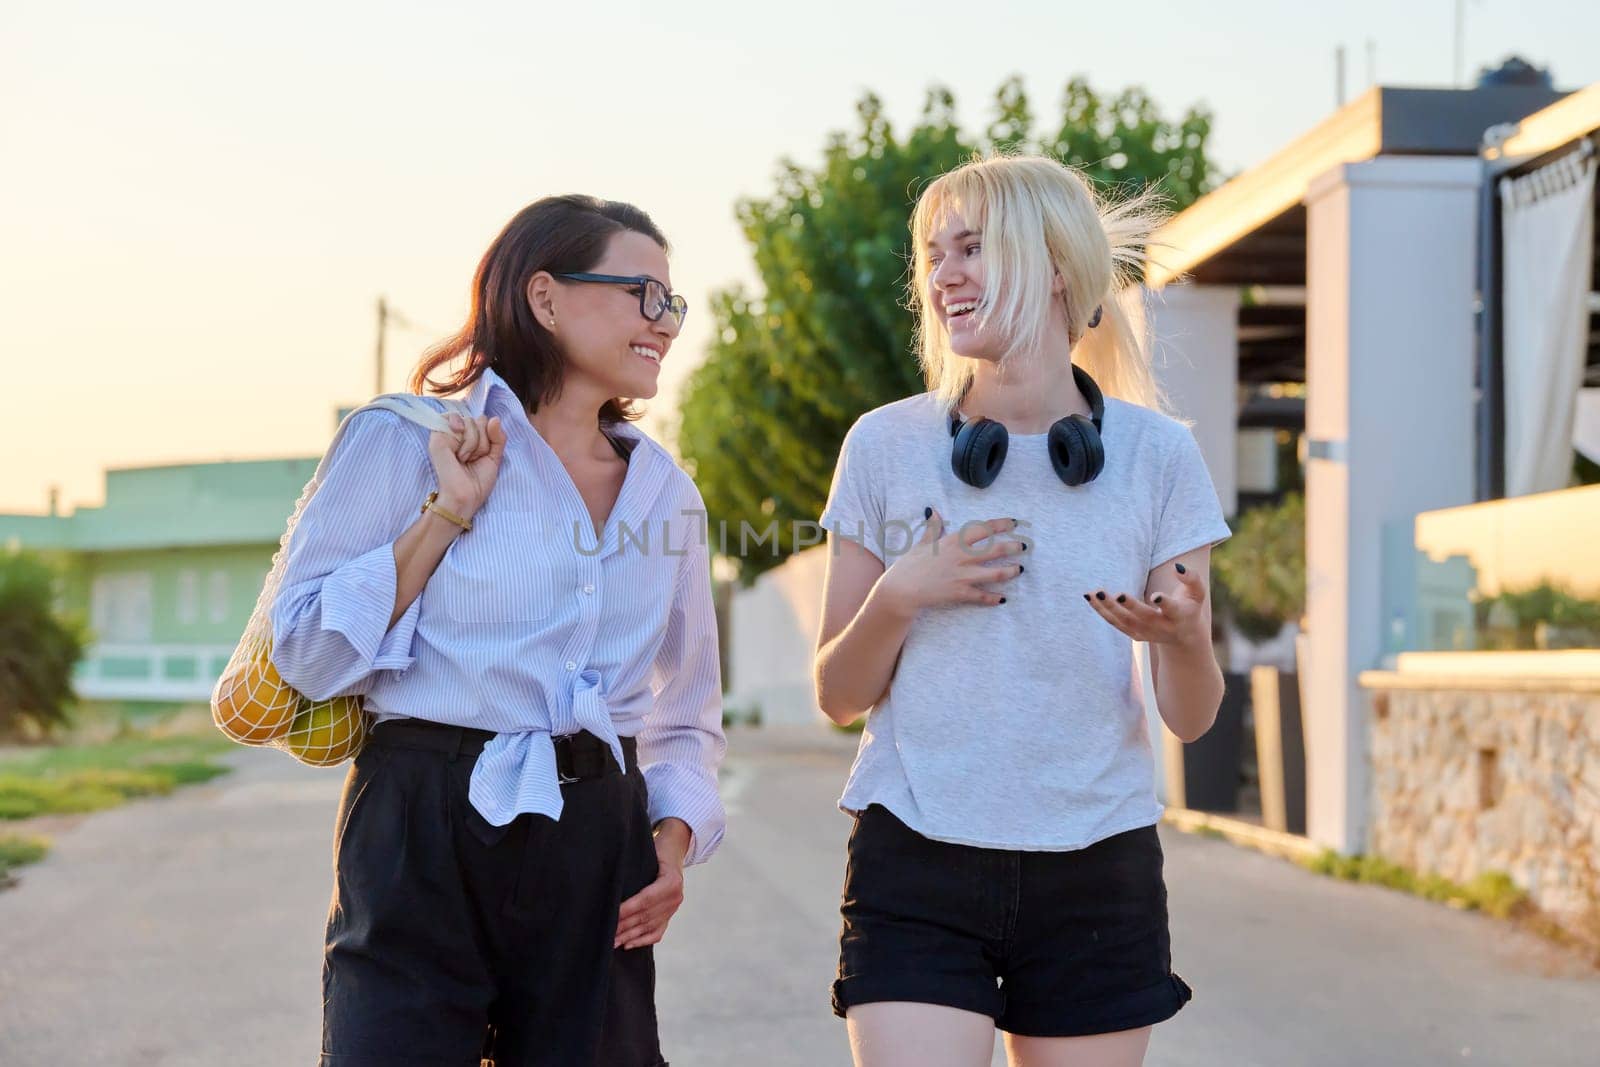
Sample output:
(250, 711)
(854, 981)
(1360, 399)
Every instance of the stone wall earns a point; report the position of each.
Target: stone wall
(1477, 774)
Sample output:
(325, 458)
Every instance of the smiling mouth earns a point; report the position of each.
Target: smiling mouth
(961, 310)
(644, 352)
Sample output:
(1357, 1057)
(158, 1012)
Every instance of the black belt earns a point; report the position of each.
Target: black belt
(578, 756)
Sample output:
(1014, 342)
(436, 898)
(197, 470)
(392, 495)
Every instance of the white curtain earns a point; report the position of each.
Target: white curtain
(1586, 428)
(1548, 242)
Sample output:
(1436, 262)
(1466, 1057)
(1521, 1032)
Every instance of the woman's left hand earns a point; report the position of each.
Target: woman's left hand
(1177, 615)
(643, 917)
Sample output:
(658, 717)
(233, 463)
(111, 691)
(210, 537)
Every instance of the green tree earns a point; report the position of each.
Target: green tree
(789, 369)
(38, 648)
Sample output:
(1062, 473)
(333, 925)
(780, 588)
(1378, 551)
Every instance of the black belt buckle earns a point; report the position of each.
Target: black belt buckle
(564, 768)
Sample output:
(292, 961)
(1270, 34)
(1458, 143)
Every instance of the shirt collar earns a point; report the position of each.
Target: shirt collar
(648, 467)
(483, 391)
(491, 389)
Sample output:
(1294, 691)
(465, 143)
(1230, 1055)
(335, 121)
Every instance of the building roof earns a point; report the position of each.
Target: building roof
(1251, 230)
(1552, 128)
(178, 506)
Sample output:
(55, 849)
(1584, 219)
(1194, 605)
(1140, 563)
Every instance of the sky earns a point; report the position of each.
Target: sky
(200, 203)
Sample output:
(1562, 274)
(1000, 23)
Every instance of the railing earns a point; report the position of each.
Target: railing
(150, 672)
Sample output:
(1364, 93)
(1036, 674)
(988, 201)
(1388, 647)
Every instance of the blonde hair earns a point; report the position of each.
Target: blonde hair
(1039, 218)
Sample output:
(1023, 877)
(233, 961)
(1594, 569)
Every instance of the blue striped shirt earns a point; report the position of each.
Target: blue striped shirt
(532, 626)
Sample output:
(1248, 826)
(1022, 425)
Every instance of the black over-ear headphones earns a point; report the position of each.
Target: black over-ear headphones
(1076, 451)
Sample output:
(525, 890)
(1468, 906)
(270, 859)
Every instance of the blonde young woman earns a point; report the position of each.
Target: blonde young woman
(1000, 542)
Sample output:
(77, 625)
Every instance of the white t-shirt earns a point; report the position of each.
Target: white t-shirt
(1021, 725)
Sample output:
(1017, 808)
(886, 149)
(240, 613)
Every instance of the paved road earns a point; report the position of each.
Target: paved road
(187, 931)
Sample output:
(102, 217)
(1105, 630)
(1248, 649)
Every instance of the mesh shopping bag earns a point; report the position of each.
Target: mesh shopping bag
(251, 702)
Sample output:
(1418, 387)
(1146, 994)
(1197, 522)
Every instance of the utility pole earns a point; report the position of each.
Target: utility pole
(383, 328)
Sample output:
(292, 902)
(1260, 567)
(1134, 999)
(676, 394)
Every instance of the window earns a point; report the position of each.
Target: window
(218, 598)
(188, 597)
(119, 605)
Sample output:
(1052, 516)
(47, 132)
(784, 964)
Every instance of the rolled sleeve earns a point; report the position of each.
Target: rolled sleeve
(356, 602)
(682, 743)
(330, 616)
(679, 792)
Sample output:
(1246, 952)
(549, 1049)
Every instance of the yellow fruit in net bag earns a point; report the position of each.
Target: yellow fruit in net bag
(254, 705)
(327, 732)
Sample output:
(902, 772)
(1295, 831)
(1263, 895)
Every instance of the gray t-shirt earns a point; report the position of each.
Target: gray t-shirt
(1022, 725)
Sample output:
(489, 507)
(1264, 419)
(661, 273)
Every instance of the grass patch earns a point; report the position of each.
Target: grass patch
(741, 716)
(1492, 892)
(16, 851)
(130, 751)
(70, 779)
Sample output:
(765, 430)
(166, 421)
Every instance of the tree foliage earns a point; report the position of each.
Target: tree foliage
(38, 648)
(790, 368)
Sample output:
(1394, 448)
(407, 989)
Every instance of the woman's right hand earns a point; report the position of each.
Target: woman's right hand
(953, 569)
(466, 461)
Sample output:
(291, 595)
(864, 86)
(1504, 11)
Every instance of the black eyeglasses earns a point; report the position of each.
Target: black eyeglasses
(655, 300)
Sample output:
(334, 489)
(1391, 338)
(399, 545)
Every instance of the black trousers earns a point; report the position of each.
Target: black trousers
(451, 940)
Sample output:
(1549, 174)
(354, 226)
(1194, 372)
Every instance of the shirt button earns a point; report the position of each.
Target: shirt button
(588, 590)
(571, 666)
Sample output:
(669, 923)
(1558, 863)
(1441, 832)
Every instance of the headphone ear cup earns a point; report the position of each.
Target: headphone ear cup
(1094, 449)
(979, 452)
(1076, 451)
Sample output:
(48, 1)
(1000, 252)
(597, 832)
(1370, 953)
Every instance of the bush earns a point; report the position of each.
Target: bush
(1574, 620)
(41, 648)
(741, 716)
(1261, 570)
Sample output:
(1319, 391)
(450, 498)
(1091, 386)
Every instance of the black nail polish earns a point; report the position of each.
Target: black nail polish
(1158, 598)
(927, 513)
(1020, 568)
(1086, 596)
(1122, 598)
(1002, 600)
(1024, 546)
(1181, 569)
(1099, 596)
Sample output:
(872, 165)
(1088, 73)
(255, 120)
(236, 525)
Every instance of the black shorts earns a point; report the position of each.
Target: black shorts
(1048, 944)
(449, 938)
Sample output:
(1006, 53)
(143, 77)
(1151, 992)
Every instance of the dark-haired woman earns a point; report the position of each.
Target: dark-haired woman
(525, 603)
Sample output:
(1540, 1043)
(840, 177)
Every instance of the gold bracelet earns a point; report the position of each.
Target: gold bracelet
(432, 504)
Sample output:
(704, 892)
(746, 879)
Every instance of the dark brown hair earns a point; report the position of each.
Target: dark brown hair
(557, 233)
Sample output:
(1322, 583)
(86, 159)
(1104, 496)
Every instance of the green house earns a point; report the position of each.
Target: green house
(167, 571)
